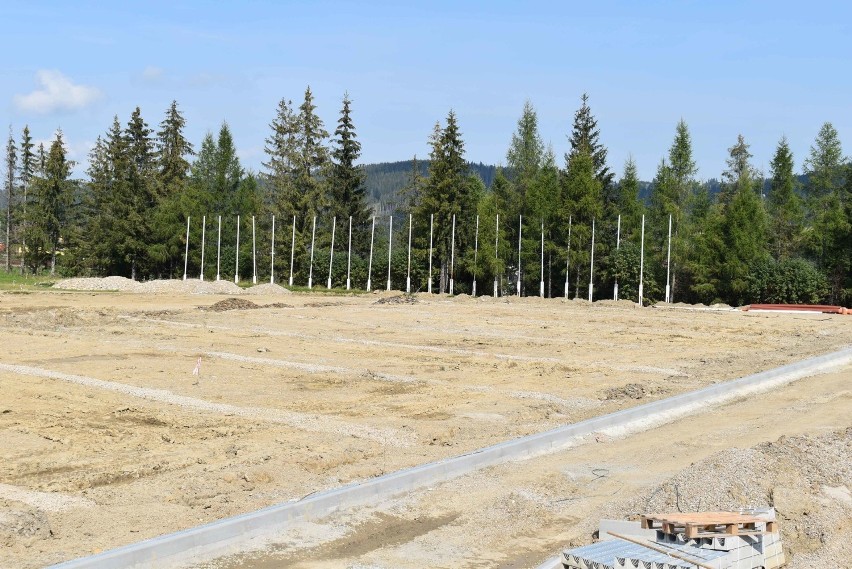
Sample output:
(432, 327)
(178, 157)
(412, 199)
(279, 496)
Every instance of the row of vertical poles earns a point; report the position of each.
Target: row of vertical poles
(408, 276)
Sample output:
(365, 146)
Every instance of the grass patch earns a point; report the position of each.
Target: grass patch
(15, 281)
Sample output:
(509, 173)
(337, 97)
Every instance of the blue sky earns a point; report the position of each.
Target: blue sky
(763, 69)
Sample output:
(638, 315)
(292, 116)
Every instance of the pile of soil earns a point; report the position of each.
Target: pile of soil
(398, 299)
(231, 304)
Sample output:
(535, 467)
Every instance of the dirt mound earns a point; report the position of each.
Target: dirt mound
(190, 286)
(121, 284)
(806, 478)
(23, 528)
(267, 289)
(629, 391)
(398, 299)
(232, 304)
(160, 286)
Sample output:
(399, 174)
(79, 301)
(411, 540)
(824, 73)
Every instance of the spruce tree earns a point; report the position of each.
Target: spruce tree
(228, 173)
(744, 225)
(629, 204)
(171, 155)
(448, 191)
(738, 167)
(50, 201)
(172, 150)
(26, 173)
(142, 186)
(117, 224)
(525, 157)
(671, 195)
(585, 134)
(11, 164)
(313, 157)
(347, 193)
(785, 206)
(827, 220)
(543, 207)
(583, 203)
(282, 165)
(41, 159)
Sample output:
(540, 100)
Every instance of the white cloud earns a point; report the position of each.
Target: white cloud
(56, 92)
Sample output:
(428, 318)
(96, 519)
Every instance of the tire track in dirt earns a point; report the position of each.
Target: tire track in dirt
(302, 421)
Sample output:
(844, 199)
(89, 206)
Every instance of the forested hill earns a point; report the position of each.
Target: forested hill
(385, 179)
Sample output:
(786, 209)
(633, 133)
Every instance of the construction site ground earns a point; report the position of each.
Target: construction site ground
(107, 437)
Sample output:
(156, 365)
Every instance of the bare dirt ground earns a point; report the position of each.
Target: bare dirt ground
(107, 437)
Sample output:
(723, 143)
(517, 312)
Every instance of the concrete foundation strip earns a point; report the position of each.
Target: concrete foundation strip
(219, 538)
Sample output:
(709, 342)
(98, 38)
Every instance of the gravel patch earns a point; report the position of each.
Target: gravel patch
(108, 283)
(160, 286)
(806, 479)
(48, 501)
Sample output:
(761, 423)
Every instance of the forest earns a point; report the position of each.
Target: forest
(745, 237)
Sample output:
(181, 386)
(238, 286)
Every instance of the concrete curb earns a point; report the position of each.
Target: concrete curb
(225, 536)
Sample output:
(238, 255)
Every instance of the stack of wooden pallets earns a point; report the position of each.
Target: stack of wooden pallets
(708, 524)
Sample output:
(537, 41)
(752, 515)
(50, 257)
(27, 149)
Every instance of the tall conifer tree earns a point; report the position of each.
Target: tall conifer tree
(828, 218)
(11, 165)
(784, 204)
(26, 172)
(347, 194)
(50, 201)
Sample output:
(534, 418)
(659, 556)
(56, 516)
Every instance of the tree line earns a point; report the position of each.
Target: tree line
(749, 237)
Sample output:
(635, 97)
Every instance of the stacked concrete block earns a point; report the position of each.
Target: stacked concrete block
(636, 546)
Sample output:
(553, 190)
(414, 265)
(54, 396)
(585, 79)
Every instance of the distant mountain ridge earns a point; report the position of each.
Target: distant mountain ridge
(386, 179)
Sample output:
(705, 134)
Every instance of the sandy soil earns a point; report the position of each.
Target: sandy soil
(782, 449)
(107, 437)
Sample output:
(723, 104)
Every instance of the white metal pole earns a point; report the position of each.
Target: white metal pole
(390, 247)
(568, 257)
(592, 266)
(237, 255)
(253, 253)
(292, 250)
(203, 239)
(186, 253)
(370, 264)
(642, 260)
(475, 253)
(431, 227)
(453, 254)
(408, 277)
(311, 268)
(218, 248)
(520, 229)
(349, 257)
(272, 254)
(541, 283)
(617, 245)
(496, 254)
(331, 253)
(669, 262)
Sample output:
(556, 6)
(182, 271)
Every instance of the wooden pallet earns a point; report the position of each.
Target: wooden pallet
(708, 524)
